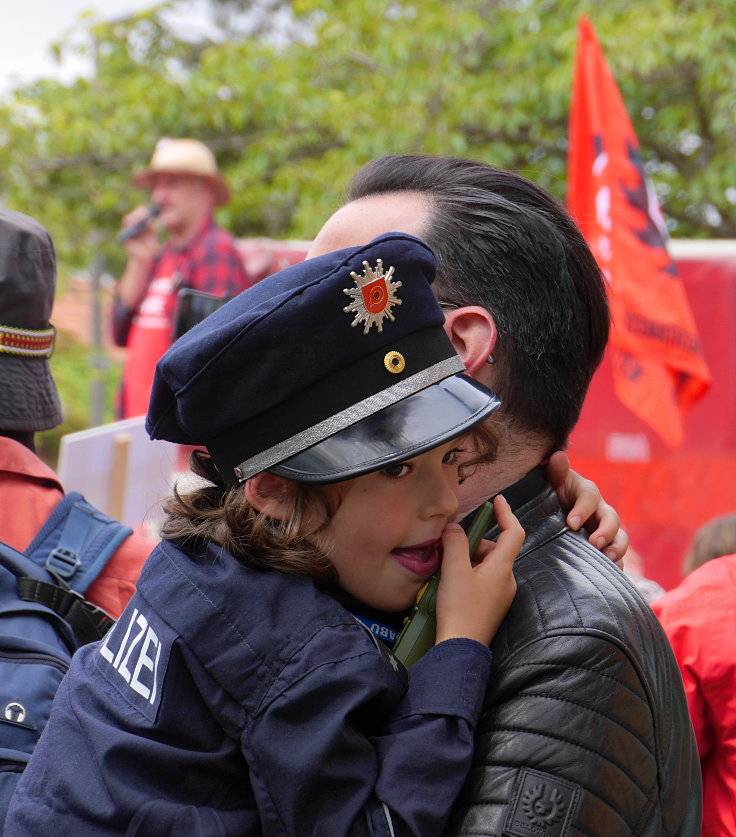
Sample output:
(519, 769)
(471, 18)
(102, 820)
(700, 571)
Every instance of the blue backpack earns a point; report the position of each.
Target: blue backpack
(44, 619)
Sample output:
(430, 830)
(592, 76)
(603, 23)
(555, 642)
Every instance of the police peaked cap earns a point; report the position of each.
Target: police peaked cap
(329, 369)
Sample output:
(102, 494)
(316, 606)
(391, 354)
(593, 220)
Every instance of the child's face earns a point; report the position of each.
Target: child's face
(384, 540)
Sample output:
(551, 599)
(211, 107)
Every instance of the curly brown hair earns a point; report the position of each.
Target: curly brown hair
(215, 513)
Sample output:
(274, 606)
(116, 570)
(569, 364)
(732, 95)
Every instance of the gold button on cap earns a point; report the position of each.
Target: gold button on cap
(394, 362)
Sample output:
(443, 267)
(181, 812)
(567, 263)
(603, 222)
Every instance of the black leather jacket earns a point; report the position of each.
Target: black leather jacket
(586, 728)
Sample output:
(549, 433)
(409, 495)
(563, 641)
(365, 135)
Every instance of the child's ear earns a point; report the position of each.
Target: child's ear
(270, 495)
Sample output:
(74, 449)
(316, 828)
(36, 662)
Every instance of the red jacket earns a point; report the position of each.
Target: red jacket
(699, 617)
(29, 491)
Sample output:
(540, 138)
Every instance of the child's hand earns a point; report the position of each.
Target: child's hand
(473, 600)
(582, 500)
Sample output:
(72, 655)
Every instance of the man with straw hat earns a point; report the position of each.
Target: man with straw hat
(185, 187)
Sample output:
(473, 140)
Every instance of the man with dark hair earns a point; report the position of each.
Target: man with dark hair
(546, 352)
(586, 727)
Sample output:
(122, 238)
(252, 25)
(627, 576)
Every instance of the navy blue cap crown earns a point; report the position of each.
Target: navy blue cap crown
(304, 354)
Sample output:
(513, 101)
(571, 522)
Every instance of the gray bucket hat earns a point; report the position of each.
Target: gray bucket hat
(29, 400)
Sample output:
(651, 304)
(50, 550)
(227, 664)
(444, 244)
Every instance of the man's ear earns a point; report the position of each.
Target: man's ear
(473, 334)
(270, 495)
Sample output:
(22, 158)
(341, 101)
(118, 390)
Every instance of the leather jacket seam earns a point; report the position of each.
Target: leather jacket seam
(591, 709)
(568, 667)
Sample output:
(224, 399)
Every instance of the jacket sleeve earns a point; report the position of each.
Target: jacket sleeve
(567, 728)
(324, 759)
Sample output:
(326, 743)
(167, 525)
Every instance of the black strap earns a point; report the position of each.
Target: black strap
(88, 621)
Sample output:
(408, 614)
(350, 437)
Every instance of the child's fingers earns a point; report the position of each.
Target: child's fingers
(454, 545)
(472, 600)
(509, 542)
(512, 533)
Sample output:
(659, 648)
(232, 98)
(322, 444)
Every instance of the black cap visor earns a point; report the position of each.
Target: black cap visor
(416, 424)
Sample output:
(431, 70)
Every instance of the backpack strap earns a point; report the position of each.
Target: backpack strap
(76, 541)
(88, 621)
(39, 586)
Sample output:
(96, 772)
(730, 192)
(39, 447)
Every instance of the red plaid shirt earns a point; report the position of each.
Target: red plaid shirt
(210, 263)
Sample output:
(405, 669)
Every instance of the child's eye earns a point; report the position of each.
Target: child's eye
(401, 469)
(451, 456)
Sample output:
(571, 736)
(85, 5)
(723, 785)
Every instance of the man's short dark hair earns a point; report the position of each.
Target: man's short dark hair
(504, 243)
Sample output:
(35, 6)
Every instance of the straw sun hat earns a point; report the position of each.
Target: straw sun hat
(184, 156)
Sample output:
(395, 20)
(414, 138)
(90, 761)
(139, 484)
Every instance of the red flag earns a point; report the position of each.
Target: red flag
(658, 365)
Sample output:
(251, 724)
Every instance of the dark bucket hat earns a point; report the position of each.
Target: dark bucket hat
(30, 401)
(332, 368)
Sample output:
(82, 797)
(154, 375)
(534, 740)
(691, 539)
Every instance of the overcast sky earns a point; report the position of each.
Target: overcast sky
(30, 26)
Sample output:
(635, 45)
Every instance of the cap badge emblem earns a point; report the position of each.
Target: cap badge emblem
(373, 297)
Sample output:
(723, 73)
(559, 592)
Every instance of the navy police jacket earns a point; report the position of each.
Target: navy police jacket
(234, 701)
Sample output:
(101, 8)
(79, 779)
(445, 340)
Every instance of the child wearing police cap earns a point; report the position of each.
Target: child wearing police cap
(243, 691)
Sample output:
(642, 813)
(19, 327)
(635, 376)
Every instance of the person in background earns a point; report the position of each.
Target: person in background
(185, 187)
(29, 489)
(699, 617)
(585, 728)
(715, 538)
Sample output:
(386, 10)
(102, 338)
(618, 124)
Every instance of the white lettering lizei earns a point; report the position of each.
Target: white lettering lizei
(148, 662)
(142, 657)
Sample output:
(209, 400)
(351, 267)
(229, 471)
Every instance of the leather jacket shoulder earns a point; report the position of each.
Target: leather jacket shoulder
(585, 730)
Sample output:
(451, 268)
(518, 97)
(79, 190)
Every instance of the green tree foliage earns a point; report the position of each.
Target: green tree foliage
(293, 97)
